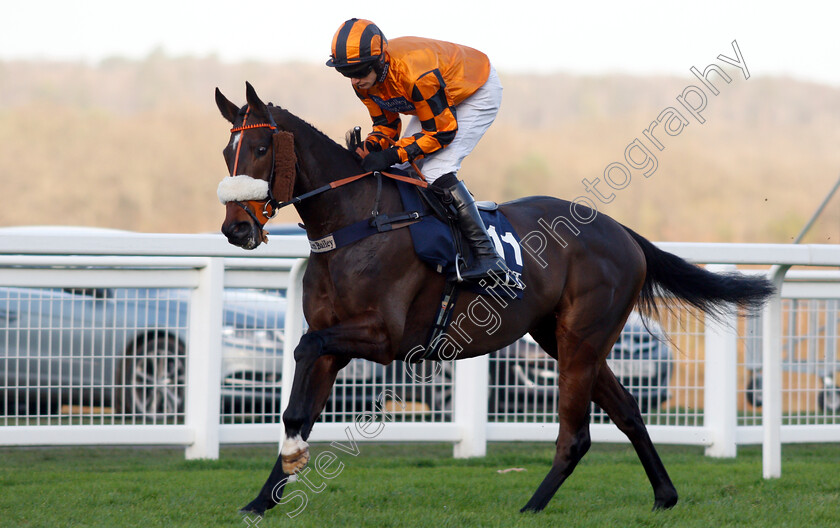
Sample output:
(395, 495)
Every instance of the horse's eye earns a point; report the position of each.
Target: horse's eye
(261, 151)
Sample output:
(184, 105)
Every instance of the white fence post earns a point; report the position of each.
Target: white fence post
(292, 333)
(771, 373)
(472, 378)
(204, 361)
(720, 408)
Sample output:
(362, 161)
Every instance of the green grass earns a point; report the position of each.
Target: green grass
(414, 485)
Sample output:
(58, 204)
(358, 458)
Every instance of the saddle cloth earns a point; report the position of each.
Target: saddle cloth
(434, 244)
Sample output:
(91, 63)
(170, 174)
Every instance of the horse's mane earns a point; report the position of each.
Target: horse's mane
(277, 110)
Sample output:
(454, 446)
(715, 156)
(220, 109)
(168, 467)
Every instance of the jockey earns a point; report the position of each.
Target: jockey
(452, 93)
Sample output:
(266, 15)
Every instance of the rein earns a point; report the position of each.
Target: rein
(270, 205)
(338, 183)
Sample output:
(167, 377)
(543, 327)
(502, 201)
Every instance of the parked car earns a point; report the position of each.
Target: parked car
(523, 378)
(815, 353)
(125, 348)
(640, 359)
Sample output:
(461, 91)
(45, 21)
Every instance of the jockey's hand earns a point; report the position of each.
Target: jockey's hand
(353, 140)
(379, 161)
(370, 145)
(362, 151)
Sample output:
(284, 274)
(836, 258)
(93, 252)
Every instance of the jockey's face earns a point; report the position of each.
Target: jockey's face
(364, 83)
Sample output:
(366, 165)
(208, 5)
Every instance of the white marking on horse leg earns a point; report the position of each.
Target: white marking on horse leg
(293, 445)
(295, 454)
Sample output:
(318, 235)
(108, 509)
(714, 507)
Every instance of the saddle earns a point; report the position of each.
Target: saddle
(436, 237)
(439, 242)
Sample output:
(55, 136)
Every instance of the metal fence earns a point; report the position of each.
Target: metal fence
(180, 339)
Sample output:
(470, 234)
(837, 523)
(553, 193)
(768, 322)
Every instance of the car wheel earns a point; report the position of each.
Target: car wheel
(13, 402)
(829, 400)
(151, 380)
(754, 390)
(648, 403)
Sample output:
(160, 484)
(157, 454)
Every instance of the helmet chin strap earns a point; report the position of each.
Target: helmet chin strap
(381, 67)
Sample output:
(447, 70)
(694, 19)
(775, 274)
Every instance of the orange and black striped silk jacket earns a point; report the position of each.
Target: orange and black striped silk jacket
(426, 78)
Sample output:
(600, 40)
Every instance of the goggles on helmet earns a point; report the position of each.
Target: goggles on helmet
(355, 70)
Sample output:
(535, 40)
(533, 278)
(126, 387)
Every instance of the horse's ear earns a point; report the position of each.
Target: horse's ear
(229, 110)
(258, 108)
(251, 95)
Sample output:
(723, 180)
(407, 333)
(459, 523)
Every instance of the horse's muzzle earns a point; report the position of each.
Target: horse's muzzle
(246, 235)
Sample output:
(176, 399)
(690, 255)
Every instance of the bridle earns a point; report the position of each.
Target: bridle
(271, 205)
(262, 210)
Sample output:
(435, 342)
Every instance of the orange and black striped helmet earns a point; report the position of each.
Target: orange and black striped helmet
(356, 47)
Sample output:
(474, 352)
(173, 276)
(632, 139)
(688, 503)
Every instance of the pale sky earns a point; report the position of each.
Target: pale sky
(797, 39)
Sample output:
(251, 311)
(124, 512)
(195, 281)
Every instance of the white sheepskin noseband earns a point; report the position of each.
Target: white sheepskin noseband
(242, 188)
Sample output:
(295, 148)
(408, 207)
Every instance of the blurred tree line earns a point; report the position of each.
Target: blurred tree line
(137, 145)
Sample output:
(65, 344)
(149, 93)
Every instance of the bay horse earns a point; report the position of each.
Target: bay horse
(374, 299)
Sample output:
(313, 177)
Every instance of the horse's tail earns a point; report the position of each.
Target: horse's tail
(707, 291)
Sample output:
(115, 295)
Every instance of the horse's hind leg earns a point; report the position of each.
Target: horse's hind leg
(624, 411)
(578, 366)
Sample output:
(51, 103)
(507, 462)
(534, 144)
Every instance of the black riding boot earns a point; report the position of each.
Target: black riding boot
(486, 262)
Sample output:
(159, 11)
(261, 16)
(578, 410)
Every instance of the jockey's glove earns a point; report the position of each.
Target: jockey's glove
(371, 145)
(367, 147)
(355, 144)
(379, 161)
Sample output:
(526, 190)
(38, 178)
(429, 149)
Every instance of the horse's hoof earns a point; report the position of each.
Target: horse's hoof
(665, 503)
(532, 508)
(253, 510)
(295, 455)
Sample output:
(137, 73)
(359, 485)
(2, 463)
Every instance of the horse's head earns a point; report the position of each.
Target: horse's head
(262, 166)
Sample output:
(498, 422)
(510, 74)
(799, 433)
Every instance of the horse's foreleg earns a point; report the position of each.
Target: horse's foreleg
(318, 358)
(624, 412)
(314, 378)
(271, 492)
